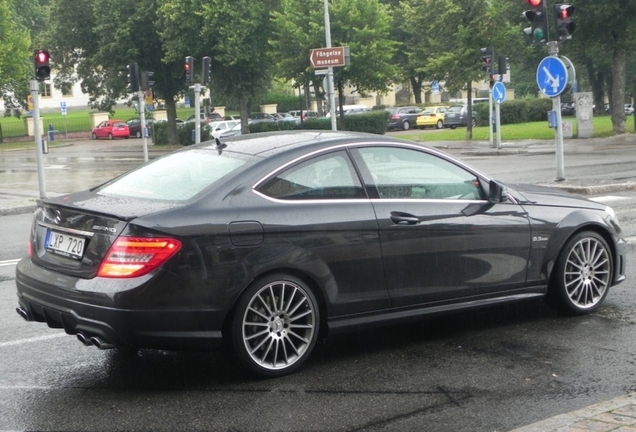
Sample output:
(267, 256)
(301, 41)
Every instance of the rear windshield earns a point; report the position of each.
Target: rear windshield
(176, 177)
(455, 109)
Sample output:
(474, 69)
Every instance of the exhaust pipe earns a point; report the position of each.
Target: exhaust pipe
(83, 339)
(101, 343)
(24, 314)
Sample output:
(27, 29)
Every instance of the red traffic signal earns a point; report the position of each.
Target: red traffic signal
(563, 25)
(534, 3)
(487, 59)
(188, 67)
(41, 59)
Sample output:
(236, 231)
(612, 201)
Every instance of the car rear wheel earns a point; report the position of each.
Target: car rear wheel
(275, 325)
(582, 274)
(138, 134)
(110, 136)
(406, 125)
(440, 124)
(474, 122)
(93, 135)
(453, 126)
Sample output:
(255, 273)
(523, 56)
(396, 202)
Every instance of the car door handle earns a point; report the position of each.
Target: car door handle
(404, 218)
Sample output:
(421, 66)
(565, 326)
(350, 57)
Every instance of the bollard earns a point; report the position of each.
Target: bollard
(51, 132)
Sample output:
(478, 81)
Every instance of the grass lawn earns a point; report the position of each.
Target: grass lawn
(519, 131)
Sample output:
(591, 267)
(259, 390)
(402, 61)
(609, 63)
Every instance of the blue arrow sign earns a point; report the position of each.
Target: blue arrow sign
(552, 76)
(499, 92)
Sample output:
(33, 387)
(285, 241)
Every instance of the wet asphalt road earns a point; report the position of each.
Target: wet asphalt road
(491, 370)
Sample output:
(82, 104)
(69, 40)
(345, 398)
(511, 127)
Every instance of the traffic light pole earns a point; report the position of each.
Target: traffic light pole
(197, 115)
(142, 115)
(39, 151)
(490, 119)
(553, 50)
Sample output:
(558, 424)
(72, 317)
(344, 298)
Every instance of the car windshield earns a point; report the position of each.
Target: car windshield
(454, 109)
(177, 177)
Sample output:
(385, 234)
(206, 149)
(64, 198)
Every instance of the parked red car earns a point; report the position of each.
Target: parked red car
(111, 129)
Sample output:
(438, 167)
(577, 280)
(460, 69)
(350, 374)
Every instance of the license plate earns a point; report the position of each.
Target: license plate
(64, 244)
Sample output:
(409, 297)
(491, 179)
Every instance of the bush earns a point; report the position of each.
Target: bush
(371, 122)
(516, 111)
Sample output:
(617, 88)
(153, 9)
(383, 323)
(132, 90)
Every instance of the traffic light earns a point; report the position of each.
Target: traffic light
(146, 83)
(563, 25)
(206, 70)
(42, 59)
(133, 77)
(538, 30)
(487, 59)
(188, 68)
(503, 65)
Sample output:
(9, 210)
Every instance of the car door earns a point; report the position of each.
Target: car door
(441, 238)
(100, 130)
(337, 232)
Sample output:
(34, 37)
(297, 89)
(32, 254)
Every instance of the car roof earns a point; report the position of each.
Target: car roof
(271, 143)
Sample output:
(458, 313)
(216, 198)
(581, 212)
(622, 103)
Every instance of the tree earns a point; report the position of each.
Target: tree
(452, 32)
(16, 58)
(234, 34)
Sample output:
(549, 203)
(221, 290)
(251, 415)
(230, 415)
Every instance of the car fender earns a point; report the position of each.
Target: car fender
(577, 220)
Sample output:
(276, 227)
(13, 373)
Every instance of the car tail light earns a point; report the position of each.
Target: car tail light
(137, 256)
(395, 116)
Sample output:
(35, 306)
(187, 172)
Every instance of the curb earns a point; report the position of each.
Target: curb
(17, 210)
(595, 190)
(587, 414)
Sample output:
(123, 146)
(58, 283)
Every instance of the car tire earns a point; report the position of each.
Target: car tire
(439, 124)
(110, 136)
(275, 325)
(474, 122)
(453, 126)
(406, 125)
(93, 136)
(582, 274)
(138, 134)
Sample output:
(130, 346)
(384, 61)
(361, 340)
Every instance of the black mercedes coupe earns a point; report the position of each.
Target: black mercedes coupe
(267, 241)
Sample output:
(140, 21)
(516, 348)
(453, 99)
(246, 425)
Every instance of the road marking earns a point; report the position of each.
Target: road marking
(9, 262)
(630, 240)
(609, 198)
(55, 167)
(35, 339)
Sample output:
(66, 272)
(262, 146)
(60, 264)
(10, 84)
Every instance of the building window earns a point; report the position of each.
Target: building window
(45, 90)
(67, 89)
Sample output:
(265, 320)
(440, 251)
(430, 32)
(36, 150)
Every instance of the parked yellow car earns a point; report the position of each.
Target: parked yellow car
(431, 117)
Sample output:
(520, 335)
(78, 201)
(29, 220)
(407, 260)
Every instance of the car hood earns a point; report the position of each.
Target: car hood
(548, 196)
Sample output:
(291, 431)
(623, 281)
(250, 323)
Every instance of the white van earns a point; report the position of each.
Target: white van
(353, 109)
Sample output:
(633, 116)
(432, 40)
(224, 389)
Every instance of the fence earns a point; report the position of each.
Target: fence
(11, 127)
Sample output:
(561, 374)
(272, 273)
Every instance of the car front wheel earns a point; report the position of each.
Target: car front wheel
(275, 326)
(583, 274)
(474, 122)
(138, 134)
(110, 136)
(94, 136)
(440, 124)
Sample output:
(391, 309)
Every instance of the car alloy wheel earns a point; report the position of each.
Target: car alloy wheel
(474, 122)
(583, 274)
(440, 124)
(275, 326)
(94, 136)
(110, 136)
(406, 125)
(138, 134)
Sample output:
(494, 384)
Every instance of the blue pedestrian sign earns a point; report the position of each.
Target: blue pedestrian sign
(552, 76)
(435, 87)
(187, 101)
(63, 107)
(499, 92)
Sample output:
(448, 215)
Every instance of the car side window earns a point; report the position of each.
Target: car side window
(411, 174)
(329, 176)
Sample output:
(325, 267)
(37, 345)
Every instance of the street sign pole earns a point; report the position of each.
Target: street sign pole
(553, 50)
(142, 115)
(490, 107)
(39, 151)
(498, 122)
(332, 96)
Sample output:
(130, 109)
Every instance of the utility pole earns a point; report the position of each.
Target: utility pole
(331, 90)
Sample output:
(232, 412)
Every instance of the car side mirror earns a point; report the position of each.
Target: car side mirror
(497, 193)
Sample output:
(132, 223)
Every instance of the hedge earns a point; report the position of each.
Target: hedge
(160, 133)
(516, 111)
